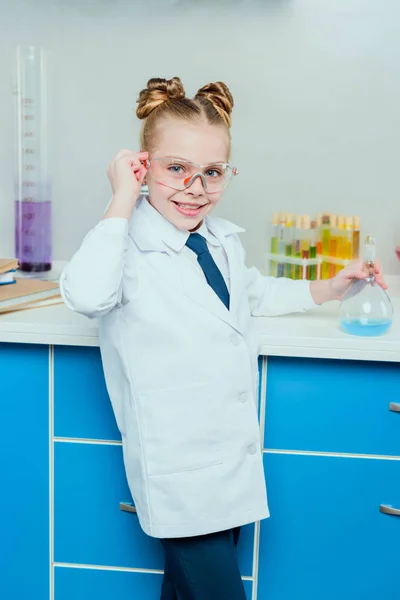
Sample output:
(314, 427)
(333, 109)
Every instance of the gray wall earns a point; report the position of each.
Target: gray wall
(317, 91)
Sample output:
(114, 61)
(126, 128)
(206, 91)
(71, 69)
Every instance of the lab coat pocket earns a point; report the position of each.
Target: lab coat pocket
(180, 428)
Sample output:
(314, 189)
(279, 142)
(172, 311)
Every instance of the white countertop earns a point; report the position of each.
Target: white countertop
(315, 334)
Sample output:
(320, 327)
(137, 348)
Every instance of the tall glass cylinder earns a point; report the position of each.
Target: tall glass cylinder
(33, 231)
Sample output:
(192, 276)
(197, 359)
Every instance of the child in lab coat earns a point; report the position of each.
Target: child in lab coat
(175, 302)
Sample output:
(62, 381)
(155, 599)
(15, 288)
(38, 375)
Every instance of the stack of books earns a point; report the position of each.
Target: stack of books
(24, 293)
(8, 266)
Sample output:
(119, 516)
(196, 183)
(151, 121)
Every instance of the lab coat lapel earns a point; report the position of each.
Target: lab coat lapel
(195, 288)
(148, 239)
(204, 294)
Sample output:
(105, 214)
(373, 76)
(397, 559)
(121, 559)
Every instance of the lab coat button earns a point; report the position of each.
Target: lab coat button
(243, 397)
(252, 449)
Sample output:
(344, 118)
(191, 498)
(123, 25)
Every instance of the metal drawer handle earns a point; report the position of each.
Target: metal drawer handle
(394, 406)
(389, 510)
(127, 507)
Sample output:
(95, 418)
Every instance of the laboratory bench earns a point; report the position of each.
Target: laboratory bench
(329, 412)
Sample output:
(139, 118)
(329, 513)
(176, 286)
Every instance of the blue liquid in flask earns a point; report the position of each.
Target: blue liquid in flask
(370, 328)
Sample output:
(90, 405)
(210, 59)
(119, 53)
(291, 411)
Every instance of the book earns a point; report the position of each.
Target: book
(33, 305)
(27, 292)
(8, 266)
(6, 278)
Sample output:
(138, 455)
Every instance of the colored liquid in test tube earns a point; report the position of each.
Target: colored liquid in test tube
(281, 244)
(348, 254)
(312, 272)
(356, 237)
(319, 234)
(274, 248)
(305, 246)
(296, 252)
(325, 236)
(33, 235)
(333, 245)
(288, 243)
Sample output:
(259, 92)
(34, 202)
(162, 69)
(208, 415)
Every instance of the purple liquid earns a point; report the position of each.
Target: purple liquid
(398, 252)
(33, 238)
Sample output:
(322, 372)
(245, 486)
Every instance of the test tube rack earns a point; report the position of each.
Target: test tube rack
(304, 263)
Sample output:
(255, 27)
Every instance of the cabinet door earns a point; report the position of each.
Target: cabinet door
(82, 407)
(89, 527)
(81, 584)
(24, 460)
(326, 537)
(332, 406)
(97, 584)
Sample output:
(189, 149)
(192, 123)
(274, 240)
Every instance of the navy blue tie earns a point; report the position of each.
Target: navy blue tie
(198, 244)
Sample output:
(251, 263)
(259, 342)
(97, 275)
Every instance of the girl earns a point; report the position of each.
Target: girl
(175, 302)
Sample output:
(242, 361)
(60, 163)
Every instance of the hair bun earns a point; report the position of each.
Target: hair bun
(157, 92)
(220, 97)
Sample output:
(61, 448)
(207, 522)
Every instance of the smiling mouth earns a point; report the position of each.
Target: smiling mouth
(188, 209)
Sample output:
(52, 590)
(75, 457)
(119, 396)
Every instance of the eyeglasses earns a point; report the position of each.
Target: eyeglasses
(179, 174)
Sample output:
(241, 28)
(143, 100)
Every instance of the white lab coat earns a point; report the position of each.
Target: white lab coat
(181, 370)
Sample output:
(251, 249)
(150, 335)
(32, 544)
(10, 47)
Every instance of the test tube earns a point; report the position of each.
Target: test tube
(340, 250)
(296, 252)
(312, 274)
(274, 243)
(33, 235)
(333, 245)
(288, 243)
(325, 234)
(305, 245)
(281, 243)
(319, 234)
(348, 238)
(356, 237)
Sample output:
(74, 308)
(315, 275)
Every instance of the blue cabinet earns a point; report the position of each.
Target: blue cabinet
(25, 473)
(92, 536)
(331, 459)
(326, 537)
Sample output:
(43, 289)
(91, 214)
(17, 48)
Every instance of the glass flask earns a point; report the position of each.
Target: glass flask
(366, 309)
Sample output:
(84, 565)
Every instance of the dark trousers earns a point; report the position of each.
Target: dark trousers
(204, 567)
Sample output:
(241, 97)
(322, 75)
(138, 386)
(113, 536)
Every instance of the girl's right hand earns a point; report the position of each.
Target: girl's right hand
(126, 173)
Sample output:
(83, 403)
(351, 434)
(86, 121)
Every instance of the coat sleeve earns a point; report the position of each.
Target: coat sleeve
(271, 296)
(91, 283)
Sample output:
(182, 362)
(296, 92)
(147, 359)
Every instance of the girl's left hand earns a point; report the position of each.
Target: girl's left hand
(357, 270)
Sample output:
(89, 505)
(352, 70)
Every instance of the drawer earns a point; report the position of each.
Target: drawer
(89, 527)
(82, 408)
(332, 406)
(95, 584)
(326, 537)
(81, 584)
